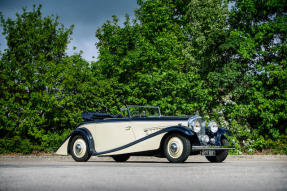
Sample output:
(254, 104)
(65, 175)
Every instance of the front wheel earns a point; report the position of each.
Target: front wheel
(79, 149)
(220, 155)
(177, 148)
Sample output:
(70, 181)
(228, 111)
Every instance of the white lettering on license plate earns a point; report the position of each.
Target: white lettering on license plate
(208, 152)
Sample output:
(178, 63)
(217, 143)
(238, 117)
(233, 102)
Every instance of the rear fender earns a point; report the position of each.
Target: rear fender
(64, 149)
(85, 133)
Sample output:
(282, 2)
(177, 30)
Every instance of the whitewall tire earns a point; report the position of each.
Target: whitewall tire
(176, 148)
(79, 149)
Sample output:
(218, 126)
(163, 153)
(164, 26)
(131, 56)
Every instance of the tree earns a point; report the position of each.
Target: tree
(205, 50)
(145, 60)
(260, 30)
(186, 56)
(189, 56)
(32, 75)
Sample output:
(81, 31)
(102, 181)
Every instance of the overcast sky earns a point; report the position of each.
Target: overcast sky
(86, 15)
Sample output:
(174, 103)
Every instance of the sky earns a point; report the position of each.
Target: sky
(86, 15)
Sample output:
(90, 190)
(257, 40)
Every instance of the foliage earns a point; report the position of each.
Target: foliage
(40, 99)
(186, 56)
(145, 58)
(257, 39)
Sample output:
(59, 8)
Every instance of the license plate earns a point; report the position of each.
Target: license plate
(207, 152)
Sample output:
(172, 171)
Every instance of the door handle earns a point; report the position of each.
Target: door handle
(128, 128)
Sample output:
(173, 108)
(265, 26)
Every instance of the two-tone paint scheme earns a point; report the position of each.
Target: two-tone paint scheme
(170, 137)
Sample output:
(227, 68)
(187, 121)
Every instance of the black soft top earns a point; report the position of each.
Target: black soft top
(91, 116)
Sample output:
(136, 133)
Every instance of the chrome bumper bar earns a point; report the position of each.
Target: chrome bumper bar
(198, 148)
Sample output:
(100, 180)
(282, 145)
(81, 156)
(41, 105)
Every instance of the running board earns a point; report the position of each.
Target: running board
(198, 148)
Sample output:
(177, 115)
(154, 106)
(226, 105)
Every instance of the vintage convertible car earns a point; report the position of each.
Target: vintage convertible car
(144, 132)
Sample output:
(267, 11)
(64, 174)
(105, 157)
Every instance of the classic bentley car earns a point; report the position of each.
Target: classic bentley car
(144, 132)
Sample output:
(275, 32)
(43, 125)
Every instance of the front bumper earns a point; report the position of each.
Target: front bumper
(199, 148)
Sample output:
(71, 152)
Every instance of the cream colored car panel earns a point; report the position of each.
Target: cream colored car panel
(63, 150)
(110, 135)
(146, 145)
(144, 128)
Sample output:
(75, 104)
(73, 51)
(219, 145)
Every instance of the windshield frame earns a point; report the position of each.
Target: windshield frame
(128, 108)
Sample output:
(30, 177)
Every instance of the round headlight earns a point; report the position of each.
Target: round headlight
(213, 126)
(196, 126)
(195, 123)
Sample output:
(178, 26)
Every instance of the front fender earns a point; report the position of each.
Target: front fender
(180, 129)
(220, 133)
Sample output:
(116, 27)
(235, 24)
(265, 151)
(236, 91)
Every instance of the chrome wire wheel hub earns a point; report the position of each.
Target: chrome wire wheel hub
(79, 148)
(175, 147)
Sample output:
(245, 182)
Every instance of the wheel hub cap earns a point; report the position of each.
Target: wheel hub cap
(78, 148)
(173, 147)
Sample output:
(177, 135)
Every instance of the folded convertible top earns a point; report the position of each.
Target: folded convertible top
(91, 116)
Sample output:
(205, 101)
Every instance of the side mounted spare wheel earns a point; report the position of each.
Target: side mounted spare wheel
(176, 148)
(79, 149)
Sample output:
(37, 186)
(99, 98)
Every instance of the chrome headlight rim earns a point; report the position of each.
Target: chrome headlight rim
(213, 126)
(196, 126)
(195, 123)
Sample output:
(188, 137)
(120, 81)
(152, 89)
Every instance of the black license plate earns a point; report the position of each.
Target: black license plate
(208, 153)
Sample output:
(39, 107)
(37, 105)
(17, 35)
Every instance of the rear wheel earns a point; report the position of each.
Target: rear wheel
(79, 149)
(121, 158)
(176, 148)
(220, 155)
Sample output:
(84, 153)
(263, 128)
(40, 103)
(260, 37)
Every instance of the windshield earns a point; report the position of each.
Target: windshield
(143, 111)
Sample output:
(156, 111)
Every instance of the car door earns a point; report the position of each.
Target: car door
(112, 134)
